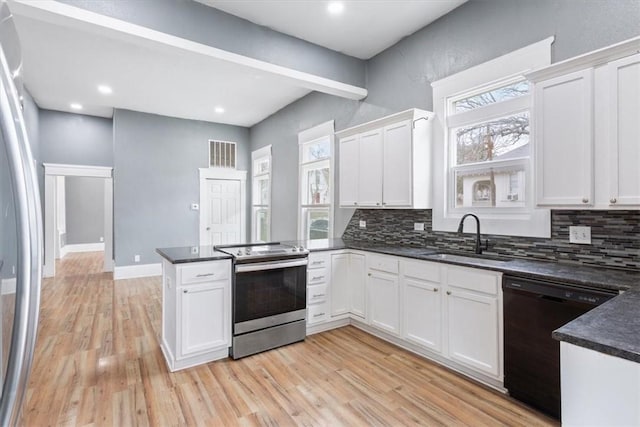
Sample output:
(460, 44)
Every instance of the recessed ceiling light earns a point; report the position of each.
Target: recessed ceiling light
(219, 110)
(105, 90)
(335, 7)
(76, 106)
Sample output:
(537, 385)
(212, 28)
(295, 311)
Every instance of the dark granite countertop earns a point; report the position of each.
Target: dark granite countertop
(612, 328)
(185, 254)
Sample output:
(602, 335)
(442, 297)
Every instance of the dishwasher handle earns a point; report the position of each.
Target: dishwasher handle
(558, 292)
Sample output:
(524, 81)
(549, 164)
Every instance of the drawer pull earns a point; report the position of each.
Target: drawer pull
(318, 315)
(448, 292)
(205, 275)
(613, 201)
(317, 278)
(185, 291)
(585, 200)
(317, 262)
(435, 289)
(317, 295)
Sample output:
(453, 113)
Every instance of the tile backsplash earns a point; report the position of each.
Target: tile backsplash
(615, 236)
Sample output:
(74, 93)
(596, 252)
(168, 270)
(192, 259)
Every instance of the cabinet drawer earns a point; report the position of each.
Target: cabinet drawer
(317, 313)
(205, 272)
(317, 275)
(383, 263)
(316, 293)
(319, 260)
(473, 280)
(421, 270)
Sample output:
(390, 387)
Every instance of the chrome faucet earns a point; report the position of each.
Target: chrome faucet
(479, 245)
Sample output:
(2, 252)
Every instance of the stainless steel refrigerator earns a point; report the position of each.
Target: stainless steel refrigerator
(20, 231)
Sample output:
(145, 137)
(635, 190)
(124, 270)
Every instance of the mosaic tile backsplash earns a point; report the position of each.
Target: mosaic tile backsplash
(615, 236)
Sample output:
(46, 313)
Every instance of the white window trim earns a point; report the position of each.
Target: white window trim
(534, 222)
(320, 131)
(255, 155)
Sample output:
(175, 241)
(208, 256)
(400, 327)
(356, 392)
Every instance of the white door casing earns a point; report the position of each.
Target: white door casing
(222, 206)
(52, 172)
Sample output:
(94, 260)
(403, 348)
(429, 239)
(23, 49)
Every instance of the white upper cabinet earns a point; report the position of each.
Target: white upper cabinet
(624, 131)
(369, 175)
(563, 112)
(386, 163)
(586, 130)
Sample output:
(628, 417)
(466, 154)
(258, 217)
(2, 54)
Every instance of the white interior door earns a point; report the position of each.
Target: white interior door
(222, 212)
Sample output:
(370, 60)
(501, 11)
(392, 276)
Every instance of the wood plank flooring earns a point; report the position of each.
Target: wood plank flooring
(98, 362)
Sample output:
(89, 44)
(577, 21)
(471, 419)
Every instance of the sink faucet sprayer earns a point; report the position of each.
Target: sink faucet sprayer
(479, 245)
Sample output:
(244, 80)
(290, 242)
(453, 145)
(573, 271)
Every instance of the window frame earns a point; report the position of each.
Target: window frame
(308, 137)
(501, 71)
(257, 156)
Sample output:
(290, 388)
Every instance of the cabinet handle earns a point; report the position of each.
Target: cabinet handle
(355, 203)
(377, 203)
(317, 278)
(185, 291)
(585, 200)
(317, 262)
(317, 295)
(613, 201)
(369, 274)
(205, 275)
(448, 292)
(318, 315)
(435, 289)
(384, 203)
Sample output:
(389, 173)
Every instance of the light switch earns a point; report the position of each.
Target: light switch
(580, 235)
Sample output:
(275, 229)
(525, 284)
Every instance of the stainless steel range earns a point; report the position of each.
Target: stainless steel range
(269, 296)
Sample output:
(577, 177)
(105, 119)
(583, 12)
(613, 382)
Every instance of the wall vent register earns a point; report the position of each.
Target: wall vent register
(222, 154)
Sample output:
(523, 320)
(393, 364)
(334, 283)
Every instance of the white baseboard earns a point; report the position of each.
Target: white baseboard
(8, 286)
(135, 271)
(62, 251)
(81, 247)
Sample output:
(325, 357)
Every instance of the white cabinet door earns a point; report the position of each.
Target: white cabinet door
(357, 285)
(397, 171)
(563, 117)
(473, 330)
(370, 170)
(349, 161)
(624, 131)
(204, 318)
(339, 284)
(383, 301)
(423, 313)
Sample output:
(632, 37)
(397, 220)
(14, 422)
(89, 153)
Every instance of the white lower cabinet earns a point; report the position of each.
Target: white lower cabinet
(340, 284)
(422, 308)
(357, 285)
(383, 301)
(196, 312)
(200, 329)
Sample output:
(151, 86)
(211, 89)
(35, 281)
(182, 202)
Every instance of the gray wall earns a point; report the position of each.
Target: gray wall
(399, 78)
(203, 24)
(84, 207)
(156, 179)
(77, 139)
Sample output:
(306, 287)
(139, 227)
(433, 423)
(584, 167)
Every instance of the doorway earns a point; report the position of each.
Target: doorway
(57, 177)
(222, 206)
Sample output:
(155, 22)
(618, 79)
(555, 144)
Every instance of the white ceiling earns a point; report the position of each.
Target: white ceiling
(364, 29)
(68, 52)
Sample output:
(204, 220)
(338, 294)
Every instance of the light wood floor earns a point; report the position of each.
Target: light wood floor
(98, 362)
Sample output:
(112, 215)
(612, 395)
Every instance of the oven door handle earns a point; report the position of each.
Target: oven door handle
(261, 266)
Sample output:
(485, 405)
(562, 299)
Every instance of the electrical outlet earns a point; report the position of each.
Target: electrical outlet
(363, 224)
(580, 235)
(418, 226)
(195, 207)
(136, 258)
(101, 239)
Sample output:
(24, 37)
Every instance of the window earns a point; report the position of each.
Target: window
(483, 135)
(316, 183)
(489, 144)
(261, 195)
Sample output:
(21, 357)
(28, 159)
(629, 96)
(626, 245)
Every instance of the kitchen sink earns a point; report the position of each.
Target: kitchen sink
(466, 257)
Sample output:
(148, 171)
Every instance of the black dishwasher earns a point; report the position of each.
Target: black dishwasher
(533, 309)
